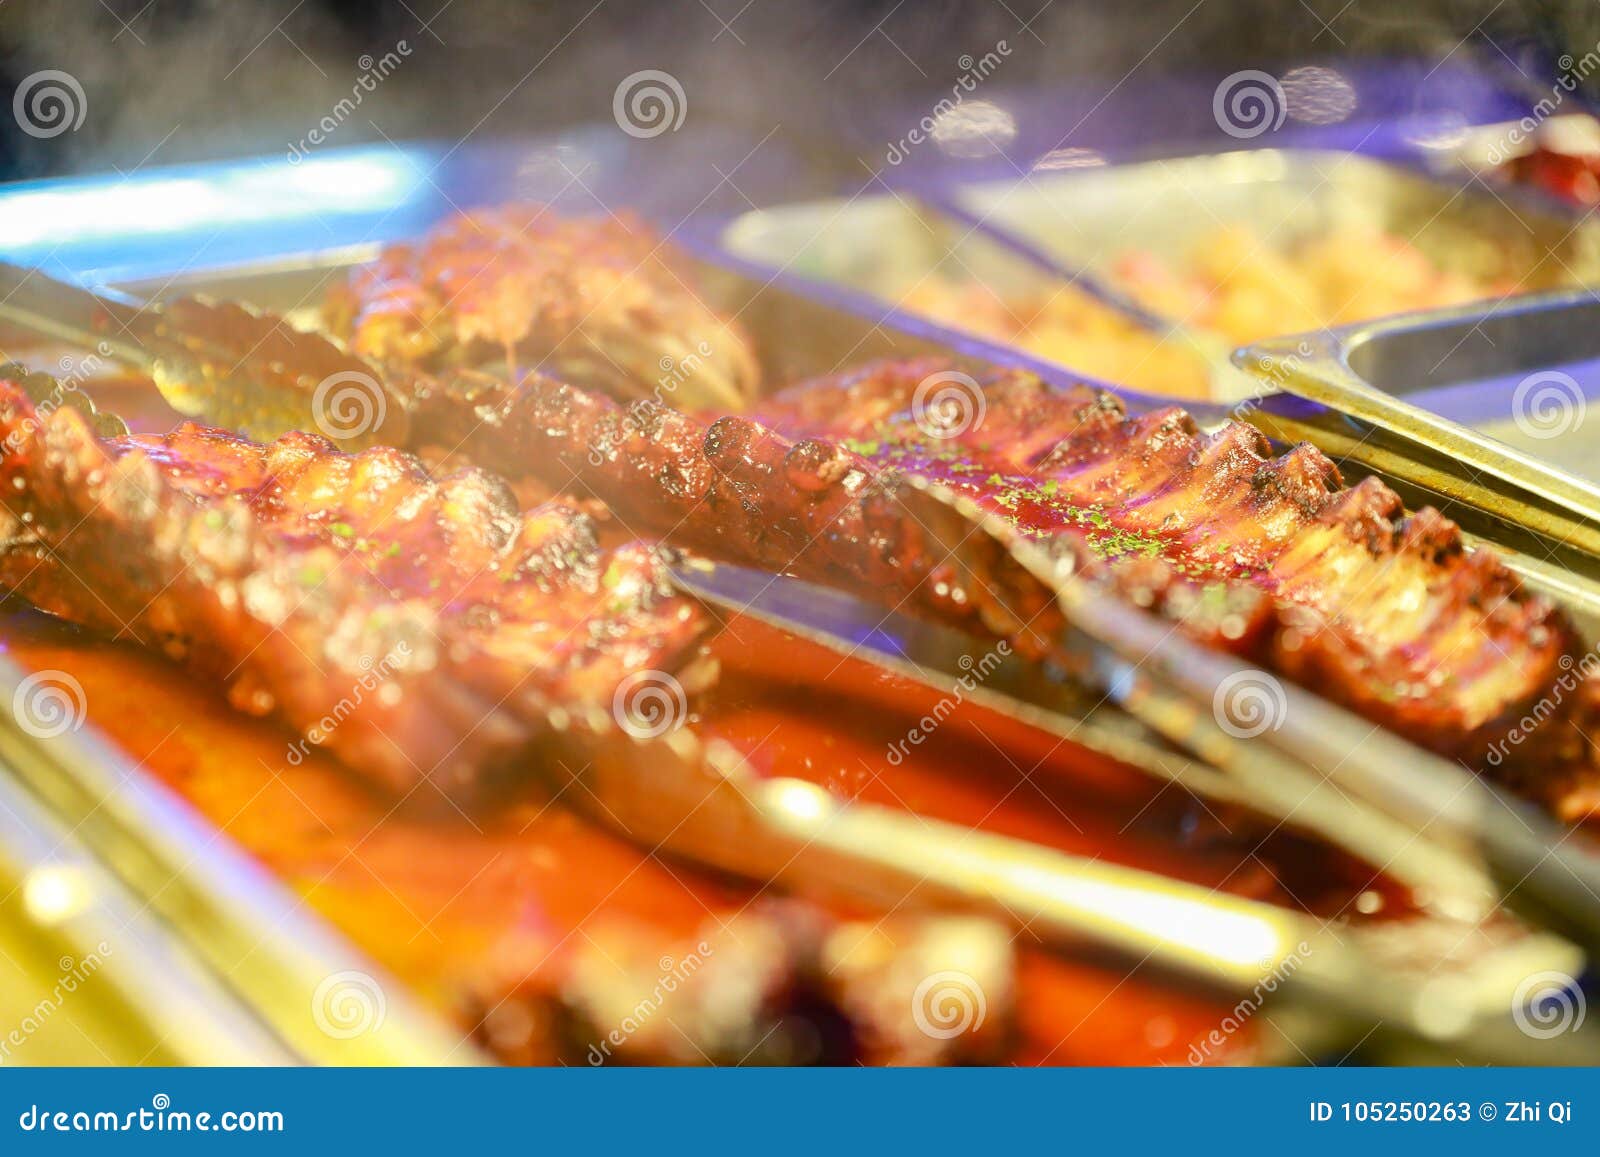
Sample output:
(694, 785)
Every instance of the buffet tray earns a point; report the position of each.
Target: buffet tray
(801, 327)
(175, 948)
(255, 949)
(1082, 219)
(884, 247)
(1071, 226)
(223, 908)
(1482, 408)
(806, 329)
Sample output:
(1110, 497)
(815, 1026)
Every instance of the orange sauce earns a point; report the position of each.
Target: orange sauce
(429, 893)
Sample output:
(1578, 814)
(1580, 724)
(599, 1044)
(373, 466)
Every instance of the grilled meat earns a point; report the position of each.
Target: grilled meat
(1270, 558)
(599, 301)
(418, 627)
(780, 983)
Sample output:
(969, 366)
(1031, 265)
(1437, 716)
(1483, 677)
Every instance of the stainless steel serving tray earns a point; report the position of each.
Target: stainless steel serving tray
(174, 947)
(1024, 237)
(837, 244)
(1485, 409)
(802, 328)
(798, 334)
(1083, 219)
(884, 246)
(239, 956)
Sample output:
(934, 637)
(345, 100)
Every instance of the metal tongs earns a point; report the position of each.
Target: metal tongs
(1438, 980)
(1464, 846)
(1449, 976)
(235, 366)
(253, 370)
(1137, 692)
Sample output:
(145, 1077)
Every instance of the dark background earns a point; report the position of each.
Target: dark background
(175, 80)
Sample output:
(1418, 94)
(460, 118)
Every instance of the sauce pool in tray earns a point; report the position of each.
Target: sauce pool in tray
(434, 896)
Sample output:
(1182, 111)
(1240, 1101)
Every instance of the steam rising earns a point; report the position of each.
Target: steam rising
(192, 79)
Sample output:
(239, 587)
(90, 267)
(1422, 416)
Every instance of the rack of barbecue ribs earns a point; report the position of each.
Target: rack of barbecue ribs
(411, 624)
(600, 301)
(1271, 558)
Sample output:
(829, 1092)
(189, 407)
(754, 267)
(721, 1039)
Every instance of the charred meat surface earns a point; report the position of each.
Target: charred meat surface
(1271, 558)
(418, 627)
(784, 983)
(600, 301)
(1386, 612)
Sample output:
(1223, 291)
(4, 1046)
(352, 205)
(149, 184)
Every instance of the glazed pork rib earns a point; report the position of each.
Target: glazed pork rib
(1270, 558)
(600, 301)
(417, 627)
